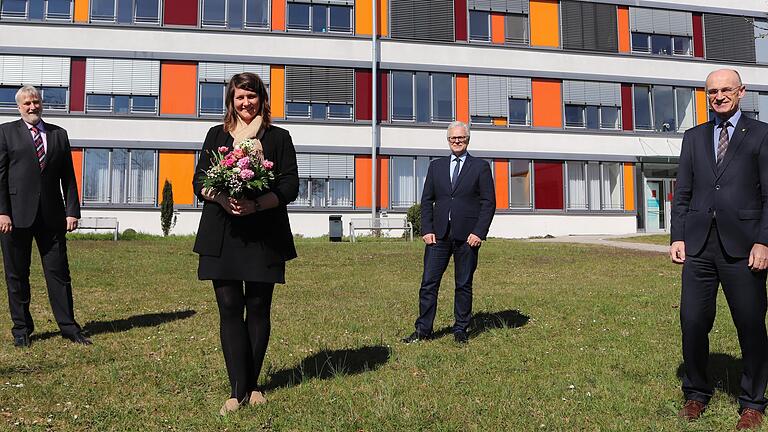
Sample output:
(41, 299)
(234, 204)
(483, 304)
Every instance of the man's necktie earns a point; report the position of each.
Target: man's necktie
(37, 137)
(722, 143)
(455, 176)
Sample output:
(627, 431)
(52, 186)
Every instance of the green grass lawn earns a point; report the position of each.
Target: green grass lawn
(657, 239)
(594, 345)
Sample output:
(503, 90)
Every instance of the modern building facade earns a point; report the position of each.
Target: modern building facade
(579, 106)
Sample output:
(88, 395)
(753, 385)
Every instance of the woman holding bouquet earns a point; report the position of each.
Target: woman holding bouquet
(246, 175)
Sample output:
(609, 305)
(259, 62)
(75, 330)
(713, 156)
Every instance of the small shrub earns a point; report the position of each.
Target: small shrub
(414, 217)
(166, 209)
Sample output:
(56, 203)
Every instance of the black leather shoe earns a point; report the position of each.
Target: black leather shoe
(22, 341)
(415, 337)
(461, 337)
(78, 338)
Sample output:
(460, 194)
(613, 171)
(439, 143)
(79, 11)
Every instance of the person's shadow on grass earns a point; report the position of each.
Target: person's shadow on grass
(125, 324)
(724, 371)
(328, 364)
(483, 321)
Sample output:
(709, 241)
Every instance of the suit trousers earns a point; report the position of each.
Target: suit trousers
(436, 258)
(746, 295)
(17, 257)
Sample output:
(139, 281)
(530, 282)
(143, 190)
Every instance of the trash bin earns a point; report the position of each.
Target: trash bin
(335, 229)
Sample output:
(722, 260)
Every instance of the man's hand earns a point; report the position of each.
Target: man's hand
(677, 252)
(758, 257)
(5, 224)
(71, 223)
(429, 238)
(473, 240)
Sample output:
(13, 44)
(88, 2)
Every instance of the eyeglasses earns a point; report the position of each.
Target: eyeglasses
(458, 138)
(726, 90)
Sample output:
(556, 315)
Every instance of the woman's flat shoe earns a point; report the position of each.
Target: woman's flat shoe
(229, 406)
(257, 398)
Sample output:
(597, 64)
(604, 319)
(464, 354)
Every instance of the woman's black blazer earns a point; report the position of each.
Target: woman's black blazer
(269, 227)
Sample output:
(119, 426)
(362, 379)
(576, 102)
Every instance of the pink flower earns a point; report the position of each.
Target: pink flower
(267, 164)
(223, 149)
(228, 161)
(246, 174)
(238, 153)
(244, 163)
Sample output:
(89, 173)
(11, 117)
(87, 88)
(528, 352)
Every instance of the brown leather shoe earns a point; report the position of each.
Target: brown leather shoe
(692, 410)
(750, 419)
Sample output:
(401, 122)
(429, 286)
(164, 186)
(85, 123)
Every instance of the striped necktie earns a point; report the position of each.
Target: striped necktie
(722, 143)
(37, 138)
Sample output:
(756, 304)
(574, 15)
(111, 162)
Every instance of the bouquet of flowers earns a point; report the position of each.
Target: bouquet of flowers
(239, 171)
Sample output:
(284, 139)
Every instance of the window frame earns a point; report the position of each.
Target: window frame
(531, 183)
(649, 39)
(110, 202)
(431, 99)
(651, 99)
(46, 17)
(97, 18)
(487, 26)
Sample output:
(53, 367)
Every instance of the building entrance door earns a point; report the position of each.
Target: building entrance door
(658, 204)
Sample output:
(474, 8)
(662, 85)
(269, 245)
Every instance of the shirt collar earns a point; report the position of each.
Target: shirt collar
(733, 120)
(462, 156)
(40, 126)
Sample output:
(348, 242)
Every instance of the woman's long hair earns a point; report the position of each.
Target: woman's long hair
(251, 82)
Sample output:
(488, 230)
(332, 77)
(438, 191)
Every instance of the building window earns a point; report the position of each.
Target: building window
(319, 18)
(422, 97)
(8, 97)
(319, 192)
(58, 10)
(212, 98)
(592, 117)
(594, 186)
(319, 111)
(407, 176)
(13, 9)
(103, 10)
(661, 44)
(121, 104)
(235, 14)
(54, 98)
(663, 108)
(516, 29)
(119, 176)
(520, 184)
(479, 26)
(138, 11)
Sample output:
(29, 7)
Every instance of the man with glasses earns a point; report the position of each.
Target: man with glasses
(457, 206)
(719, 235)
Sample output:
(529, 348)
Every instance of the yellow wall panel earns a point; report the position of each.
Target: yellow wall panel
(178, 167)
(545, 23)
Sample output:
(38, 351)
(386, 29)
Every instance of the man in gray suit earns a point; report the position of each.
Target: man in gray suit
(35, 168)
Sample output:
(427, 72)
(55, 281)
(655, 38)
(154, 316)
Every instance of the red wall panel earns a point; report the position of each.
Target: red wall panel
(77, 85)
(363, 95)
(698, 36)
(180, 12)
(626, 107)
(548, 185)
(460, 16)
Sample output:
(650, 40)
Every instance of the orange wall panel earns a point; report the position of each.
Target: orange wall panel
(462, 98)
(501, 172)
(629, 187)
(623, 23)
(178, 88)
(81, 11)
(499, 121)
(497, 28)
(278, 14)
(77, 162)
(544, 17)
(547, 103)
(277, 91)
(364, 17)
(178, 167)
(363, 181)
(702, 108)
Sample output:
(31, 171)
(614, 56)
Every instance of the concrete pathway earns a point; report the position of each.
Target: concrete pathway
(606, 240)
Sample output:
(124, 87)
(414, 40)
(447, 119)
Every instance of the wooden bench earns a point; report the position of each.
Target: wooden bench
(99, 223)
(379, 224)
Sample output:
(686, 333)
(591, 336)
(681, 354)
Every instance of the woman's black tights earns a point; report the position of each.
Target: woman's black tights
(243, 341)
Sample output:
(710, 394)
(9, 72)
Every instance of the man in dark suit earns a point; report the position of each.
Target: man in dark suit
(719, 234)
(457, 207)
(35, 169)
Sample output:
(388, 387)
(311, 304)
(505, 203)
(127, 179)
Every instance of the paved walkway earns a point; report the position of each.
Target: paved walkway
(606, 240)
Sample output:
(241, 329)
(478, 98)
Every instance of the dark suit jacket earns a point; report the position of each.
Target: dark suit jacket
(24, 188)
(736, 192)
(268, 227)
(471, 203)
